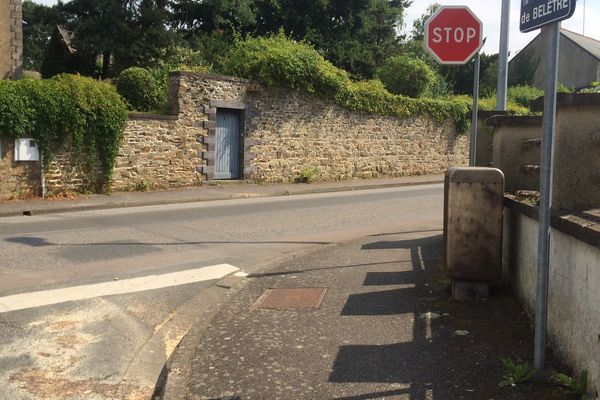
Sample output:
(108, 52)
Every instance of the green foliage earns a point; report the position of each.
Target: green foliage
(66, 110)
(515, 373)
(124, 32)
(406, 76)
(279, 61)
(309, 175)
(524, 95)
(594, 88)
(40, 23)
(140, 89)
(142, 186)
(563, 88)
(577, 386)
(489, 104)
(175, 58)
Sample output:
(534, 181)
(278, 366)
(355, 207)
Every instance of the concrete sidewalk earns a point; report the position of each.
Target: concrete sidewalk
(385, 329)
(204, 193)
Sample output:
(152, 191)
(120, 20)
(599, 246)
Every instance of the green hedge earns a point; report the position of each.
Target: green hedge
(66, 110)
(140, 89)
(524, 95)
(280, 61)
(407, 76)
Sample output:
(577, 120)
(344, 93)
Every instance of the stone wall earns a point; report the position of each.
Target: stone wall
(158, 152)
(287, 131)
(18, 179)
(11, 39)
(283, 133)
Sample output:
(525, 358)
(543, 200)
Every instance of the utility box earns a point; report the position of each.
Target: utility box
(26, 149)
(473, 211)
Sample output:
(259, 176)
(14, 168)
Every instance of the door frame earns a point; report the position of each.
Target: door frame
(209, 140)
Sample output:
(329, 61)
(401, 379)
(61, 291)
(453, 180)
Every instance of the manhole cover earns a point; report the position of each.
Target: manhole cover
(291, 298)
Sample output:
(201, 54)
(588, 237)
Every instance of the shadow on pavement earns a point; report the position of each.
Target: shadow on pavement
(435, 363)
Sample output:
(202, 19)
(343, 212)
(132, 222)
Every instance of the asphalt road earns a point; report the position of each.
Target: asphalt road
(114, 345)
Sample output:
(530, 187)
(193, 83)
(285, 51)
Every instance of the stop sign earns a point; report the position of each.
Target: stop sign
(453, 35)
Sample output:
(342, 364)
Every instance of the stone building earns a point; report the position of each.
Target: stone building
(579, 61)
(11, 39)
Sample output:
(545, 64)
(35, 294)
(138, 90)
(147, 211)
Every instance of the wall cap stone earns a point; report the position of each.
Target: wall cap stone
(209, 76)
(569, 99)
(160, 117)
(489, 114)
(583, 226)
(512, 120)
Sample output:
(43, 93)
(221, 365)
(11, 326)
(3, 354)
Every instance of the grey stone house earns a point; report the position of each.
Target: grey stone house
(579, 61)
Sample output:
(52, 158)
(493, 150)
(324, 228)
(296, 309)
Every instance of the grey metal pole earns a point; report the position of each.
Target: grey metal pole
(501, 89)
(552, 33)
(473, 152)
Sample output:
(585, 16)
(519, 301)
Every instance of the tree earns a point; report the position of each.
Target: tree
(459, 77)
(39, 23)
(356, 35)
(122, 32)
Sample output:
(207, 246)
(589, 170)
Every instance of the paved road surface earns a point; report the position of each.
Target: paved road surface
(119, 288)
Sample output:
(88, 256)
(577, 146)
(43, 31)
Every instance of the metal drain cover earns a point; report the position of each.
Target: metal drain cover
(291, 298)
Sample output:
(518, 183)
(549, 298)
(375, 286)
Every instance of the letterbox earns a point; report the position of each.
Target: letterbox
(473, 210)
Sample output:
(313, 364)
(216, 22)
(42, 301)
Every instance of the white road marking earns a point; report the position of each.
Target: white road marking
(43, 298)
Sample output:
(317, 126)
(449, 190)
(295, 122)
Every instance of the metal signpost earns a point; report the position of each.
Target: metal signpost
(536, 14)
(502, 86)
(453, 35)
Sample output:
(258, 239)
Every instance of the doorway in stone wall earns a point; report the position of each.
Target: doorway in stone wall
(227, 144)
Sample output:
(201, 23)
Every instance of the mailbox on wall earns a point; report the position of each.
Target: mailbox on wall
(26, 150)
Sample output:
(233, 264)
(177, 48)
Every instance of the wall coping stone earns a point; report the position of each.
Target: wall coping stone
(583, 226)
(489, 114)
(569, 99)
(160, 117)
(514, 120)
(210, 76)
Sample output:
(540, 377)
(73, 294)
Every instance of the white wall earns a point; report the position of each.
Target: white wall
(574, 290)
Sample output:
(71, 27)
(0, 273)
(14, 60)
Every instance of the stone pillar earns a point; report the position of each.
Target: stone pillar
(11, 39)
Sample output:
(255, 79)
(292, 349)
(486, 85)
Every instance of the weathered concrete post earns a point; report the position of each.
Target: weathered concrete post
(11, 39)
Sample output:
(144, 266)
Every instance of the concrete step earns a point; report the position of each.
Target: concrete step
(229, 182)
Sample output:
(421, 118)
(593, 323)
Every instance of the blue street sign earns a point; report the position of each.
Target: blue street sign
(537, 13)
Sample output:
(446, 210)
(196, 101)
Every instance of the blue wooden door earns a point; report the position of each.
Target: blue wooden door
(227, 145)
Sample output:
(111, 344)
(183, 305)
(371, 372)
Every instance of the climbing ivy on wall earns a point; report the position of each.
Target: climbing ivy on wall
(280, 61)
(67, 110)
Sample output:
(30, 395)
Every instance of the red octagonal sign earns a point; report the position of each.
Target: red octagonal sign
(453, 35)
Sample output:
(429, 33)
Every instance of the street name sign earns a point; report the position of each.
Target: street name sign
(453, 35)
(538, 13)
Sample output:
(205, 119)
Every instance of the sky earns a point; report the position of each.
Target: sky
(489, 12)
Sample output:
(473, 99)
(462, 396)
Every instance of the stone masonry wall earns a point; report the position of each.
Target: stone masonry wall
(287, 131)
(158, 152)
(11, 39)
(284, 132)
(18, 179)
